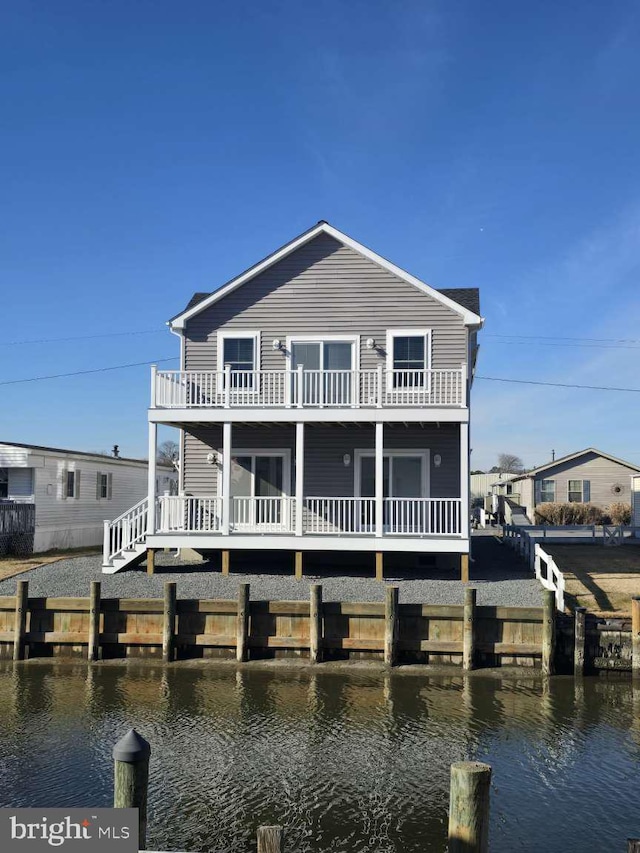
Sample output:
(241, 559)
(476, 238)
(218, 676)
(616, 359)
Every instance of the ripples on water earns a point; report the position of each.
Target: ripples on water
(351, 762)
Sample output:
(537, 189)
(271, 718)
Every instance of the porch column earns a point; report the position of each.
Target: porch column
(151, 482)
(299, 476)
(464, 479)
(226, 478)
(379, 475)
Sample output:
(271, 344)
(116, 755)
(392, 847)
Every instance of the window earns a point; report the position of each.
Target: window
(579, 491)
(409, 357)
(70, 484)
(4, 483)
(547, 491)
(103, 486)
(241, 353)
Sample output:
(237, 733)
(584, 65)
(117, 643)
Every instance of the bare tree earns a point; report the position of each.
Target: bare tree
(169, 454)
(510, 463)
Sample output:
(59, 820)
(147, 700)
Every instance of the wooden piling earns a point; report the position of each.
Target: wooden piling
(549, 632)
(93, 652)
(633, 845)
(131, 779)
(151, 561)
(270, 839)
(464, 568)
(22, 606)
(579, 638)
(635, 637)
(169, 622)
(391, 625)
(242, 623)
(379, 566)
(298, 566)
(469, 807)
(468, 629)
(315, 623)
(225, 562)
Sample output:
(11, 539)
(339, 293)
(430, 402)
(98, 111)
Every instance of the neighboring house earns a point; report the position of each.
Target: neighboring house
(74, 492)
(482, 484)
(635, 500)
(588, 476)
(323, 399)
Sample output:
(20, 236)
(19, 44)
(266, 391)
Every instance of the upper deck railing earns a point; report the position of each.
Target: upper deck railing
(203, 389)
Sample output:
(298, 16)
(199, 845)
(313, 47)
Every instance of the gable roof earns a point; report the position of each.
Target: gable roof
(464, 303)
(571, 456)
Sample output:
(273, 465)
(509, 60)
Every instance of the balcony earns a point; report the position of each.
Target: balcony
(350, 516)
(309, 389)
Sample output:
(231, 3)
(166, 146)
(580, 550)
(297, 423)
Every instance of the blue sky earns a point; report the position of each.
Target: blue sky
(151, 149)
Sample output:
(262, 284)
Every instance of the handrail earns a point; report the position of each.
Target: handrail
(125, 531)
(521, 540)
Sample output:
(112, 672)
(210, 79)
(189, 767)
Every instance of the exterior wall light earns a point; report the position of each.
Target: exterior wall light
(211, 458)
(370, 343)
(276, 344)
(346, 460)
(437, 460)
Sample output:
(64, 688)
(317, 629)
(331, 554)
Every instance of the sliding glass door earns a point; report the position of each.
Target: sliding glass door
(327, 372)
(257, 488)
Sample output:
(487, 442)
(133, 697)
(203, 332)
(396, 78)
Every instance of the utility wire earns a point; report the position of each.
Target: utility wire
(83, 372)
(549, 343)
(557, 384)
(80, 337)
(564, 338)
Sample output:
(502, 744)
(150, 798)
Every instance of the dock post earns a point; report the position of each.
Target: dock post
(298, 566)
(151, 560)
(579, 639)
(131, 779)
(22, 605)
(169, 622)
(391, 625)
(315, 623)
(468, 629)
(464, 568)
(225, 562)
(469, 807)
(549, 632)
(270, 839)
(93, 652)
(243, 622)
(635, 636)
(379, 566)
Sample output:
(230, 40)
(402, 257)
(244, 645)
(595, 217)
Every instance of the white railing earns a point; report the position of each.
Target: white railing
(541, 564)
(175, 389)
(125, 531)
(262, 514)
(423, 516)
(340, 515)
(186, 513)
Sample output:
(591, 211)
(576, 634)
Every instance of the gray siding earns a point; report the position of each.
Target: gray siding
(324, 288)
(635, 518)
(602, 474)
(325, 445)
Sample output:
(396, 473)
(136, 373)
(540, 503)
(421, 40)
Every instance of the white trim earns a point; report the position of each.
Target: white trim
(151, 477)
(299, 484)
(284, 452)
(434, 544)
(233, 334)
(468, 317)
(413, 414)
(424, 453)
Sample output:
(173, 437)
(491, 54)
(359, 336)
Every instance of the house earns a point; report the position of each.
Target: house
(482, 484)
(323, 404)
(635, 500)
(73, 491)
(588, 476)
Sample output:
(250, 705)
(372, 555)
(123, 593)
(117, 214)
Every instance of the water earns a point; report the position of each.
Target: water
(351, 761)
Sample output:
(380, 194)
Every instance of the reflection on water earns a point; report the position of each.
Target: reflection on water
(353, 761)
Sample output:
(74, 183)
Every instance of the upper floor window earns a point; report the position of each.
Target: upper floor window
(547, 491)
(240, 352)
(409, 357)
(4, 482)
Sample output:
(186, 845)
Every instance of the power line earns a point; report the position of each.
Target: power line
(81, 337)
(557, 384)
(83, 372)
(564, 338)
(549, 343)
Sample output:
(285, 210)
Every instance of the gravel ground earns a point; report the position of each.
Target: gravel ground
(72, 577)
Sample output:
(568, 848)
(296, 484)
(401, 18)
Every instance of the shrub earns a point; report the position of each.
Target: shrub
(567, 513)
(620, 513)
